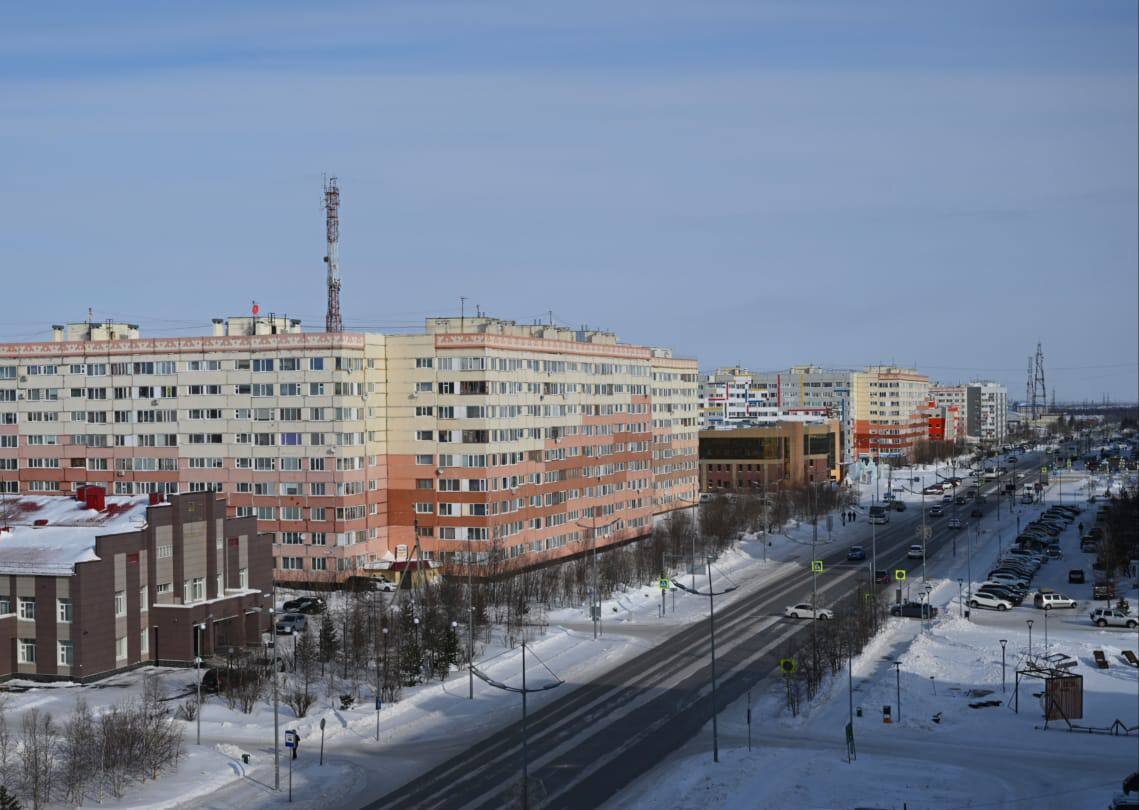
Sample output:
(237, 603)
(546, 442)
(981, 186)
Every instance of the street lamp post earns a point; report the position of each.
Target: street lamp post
(960, 604)
(198, 666)
(1003, 641)
(898, 680)
(1029, 623)
(470, 624)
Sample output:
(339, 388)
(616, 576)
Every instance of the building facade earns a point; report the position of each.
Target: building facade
(889, 416)
(988, 421)
(749, 459)
(509, 440)
(95, 586)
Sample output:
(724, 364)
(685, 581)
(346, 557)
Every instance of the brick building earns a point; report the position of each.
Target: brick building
(96, 585)
(752, 458)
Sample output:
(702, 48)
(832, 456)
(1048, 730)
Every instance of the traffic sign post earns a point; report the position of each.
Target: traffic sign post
(788, 666)
(664, 583)
(292, 740)
(816, 566)
(900, 575)
(379, 705)
(322, 742)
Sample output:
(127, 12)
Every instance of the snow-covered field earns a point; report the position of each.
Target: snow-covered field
(987, 756)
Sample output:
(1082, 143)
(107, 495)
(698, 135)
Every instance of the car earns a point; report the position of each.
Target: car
(304, 604)
(976, 513)
(955, 523)
(856, 553)
(1026, 498)
(932, 489)
(947, 498)
(1046, 600)
(1011, 459)
(292, 623)
(803, 610)
(1103, 590)
(915, 552)
(1019, 590)
(981, 599)
(1076, 576)
(1104, 617)
(899, 506)
(959, 500)
(1054, 553)
(383, 586)
(882, 577)
(936, 511)
(1013, 597)
(889, 496)
(914, 610)
(1007, 577)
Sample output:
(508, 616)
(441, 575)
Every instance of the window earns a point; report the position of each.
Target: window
(290, 389)
(316, 364)
(165, 551)
(243, 578)
(220, 585)
(263, 365)
(316, 389)
(292, 538)
(120, 648)
(66, 653)
(65, 610)
(292, 563)
(424, 435)
(120, 603)
(143, 642)
(319, 564)
(5, 605)
(26, 651)
(143, 599)
(27, 608)
(164, 588)
(424, 508)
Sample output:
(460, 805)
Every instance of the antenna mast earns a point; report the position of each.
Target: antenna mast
(332, 321)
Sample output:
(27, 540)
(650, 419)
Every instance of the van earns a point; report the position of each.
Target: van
(878, 515)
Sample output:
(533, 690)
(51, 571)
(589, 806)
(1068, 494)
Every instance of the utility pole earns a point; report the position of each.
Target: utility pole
(470, 623)
(712, 634)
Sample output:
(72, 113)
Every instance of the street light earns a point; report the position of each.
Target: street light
(1029, 623)
(898, 677)
(198, 667)
(960, 604)
(1003, 641)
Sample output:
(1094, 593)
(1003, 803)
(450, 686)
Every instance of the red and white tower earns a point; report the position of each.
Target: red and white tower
(332, 322)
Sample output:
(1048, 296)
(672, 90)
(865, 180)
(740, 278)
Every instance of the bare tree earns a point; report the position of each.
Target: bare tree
(37, 755)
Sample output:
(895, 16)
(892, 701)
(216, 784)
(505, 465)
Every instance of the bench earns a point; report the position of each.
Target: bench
(1100, 659)
(1129, 657)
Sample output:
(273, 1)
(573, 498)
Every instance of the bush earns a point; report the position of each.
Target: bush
(346, 702)
(299, 701)
(187, 710)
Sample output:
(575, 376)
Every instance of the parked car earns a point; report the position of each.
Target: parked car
(305, 604)
(981, 599)
(803, 610)
(882, 577)
(899, 506)
(1007, 577)
(856, 553)
(936, 511)
(914, 610)
(955, 523)
(1103, 590)
(1014, 597)
(959, 500)
(1104, 617)
(383, 586)
(1054, 553)
(1076, 576)
(1047, 601)
(947, 498)
(915, 552)
(292, 623)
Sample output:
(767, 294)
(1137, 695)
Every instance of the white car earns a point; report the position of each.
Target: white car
(803, 610)
(980, 599)
(915, 553)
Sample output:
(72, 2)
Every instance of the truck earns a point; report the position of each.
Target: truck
(879, 515)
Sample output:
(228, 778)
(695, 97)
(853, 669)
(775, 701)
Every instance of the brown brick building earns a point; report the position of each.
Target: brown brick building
(791, 453)
(93, 586)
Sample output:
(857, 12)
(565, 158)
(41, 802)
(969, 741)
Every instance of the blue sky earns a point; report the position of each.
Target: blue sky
(762, 183)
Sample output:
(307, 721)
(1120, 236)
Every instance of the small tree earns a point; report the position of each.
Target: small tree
(410, 653)
(8, 801)
(329, 643)
(447, 653)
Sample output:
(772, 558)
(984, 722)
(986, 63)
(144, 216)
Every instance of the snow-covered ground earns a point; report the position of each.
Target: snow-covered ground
(986, 757)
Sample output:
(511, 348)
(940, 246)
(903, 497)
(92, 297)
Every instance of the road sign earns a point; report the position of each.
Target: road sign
(788, 666)
(663, 584)
(816, 566)
(379, 703)
(900, 575)
(291, 738)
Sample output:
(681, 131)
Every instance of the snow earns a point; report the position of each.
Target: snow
(69, 536)
(983, 757)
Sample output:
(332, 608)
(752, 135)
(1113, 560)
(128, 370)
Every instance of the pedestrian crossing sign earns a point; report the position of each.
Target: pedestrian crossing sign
(816, 566)
(900, 575)
(788, 666)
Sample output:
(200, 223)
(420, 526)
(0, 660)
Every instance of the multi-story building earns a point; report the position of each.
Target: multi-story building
(751, 459)
(94, 586)
(515, 441)
(888, 406)
(952, 402)
(988, 421)
(735, 395)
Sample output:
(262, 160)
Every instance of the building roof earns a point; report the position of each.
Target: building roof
(68, 537)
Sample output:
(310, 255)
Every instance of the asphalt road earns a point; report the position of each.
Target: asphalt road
(587, 745)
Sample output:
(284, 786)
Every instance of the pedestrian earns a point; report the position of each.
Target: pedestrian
(853, 515)
(844, 518)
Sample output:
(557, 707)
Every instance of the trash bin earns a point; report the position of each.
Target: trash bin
(245, 758)
(966, 613)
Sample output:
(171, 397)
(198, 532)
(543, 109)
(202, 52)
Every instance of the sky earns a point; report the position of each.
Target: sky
(763, 183)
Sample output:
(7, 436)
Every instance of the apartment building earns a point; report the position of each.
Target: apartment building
(732, 395)
(888, 406)
(988, 420)
(96, 585)
(951, 402)
(510, 441)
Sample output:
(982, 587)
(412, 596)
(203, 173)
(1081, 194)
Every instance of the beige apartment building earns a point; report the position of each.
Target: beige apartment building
(889, 410)
(510, 442)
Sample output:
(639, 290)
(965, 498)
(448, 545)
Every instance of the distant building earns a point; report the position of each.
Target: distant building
(889, 405)
(749, 459)
(97, 585)
(988, 420)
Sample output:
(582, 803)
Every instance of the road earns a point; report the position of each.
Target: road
(587, 745)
